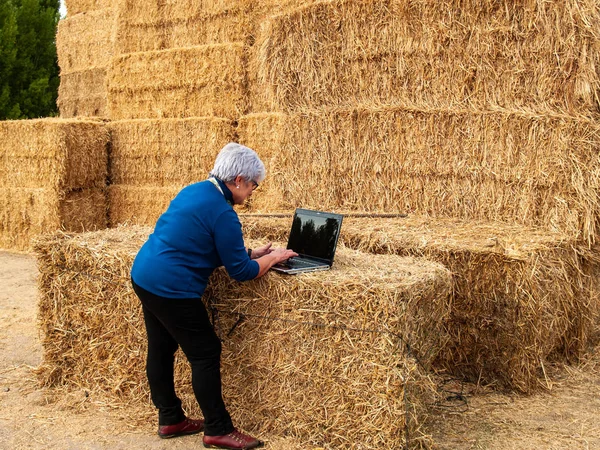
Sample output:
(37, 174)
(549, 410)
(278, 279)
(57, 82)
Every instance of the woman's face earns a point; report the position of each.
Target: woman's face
(243, 190)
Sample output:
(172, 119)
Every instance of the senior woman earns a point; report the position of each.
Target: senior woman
(199, 232)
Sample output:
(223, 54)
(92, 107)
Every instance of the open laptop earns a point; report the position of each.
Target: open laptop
(314, 236)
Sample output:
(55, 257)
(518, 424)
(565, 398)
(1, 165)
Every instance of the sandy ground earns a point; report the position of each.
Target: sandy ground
(566, 417)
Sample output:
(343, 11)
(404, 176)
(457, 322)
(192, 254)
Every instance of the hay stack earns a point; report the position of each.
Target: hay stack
(185, 82)
(520, 296)
(501, 166)
(52, 175)
(540, 56)
(85, 44)
(325, 362)
(151, 160)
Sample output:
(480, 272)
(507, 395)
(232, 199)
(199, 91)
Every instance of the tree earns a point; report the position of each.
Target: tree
(28, 62)
(8, 56)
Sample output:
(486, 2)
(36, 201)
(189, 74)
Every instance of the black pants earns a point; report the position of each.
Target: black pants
(183, 322)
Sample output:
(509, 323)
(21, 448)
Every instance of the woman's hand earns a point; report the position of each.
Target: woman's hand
(274, 256)
(262, 251)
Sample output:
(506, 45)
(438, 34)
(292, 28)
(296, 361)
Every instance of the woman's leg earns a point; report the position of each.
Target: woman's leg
(186, 320)
(159, 366)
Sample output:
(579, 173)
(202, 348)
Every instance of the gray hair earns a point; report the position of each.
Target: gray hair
(235, 159)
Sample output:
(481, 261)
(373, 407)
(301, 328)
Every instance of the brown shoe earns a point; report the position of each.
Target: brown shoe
(187, 426)
(232, 441)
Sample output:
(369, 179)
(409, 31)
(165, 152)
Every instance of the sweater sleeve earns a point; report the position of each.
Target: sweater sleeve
(229, 242)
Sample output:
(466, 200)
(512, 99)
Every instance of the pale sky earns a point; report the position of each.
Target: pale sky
(62, 9)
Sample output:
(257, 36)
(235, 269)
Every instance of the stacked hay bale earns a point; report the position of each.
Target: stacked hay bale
(152, 159)
(176, 87)
(453, 112)
(84, 42)
(483, 112)
(521, 297)
(327, 363)
(52, 176)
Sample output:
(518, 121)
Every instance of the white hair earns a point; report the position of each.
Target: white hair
(235, 159)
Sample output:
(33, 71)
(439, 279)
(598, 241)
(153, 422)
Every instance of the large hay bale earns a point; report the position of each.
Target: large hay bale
(53, 153)
(83, 94)
(164, 25)
(27, 212)
(501, 166)
(541, 56)
(85, 41)
(52, 176)
(138, 205)
(322, 358)
(81, 6)
(520, 296)
(185, 82)
(166, 152)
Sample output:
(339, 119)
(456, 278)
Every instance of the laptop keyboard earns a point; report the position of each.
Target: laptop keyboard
(297, 263)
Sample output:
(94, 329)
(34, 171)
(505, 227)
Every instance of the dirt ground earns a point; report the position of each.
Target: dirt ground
(565, 417)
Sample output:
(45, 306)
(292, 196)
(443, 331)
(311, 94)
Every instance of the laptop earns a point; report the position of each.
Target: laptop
(314, 236)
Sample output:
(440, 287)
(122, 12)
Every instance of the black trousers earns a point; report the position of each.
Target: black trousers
(183, 322)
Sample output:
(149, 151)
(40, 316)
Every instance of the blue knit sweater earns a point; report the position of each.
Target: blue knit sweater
(199, 232)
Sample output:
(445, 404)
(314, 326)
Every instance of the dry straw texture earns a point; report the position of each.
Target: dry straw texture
(323, 361)
(53, 153)
(541, 56)
(164, 25)
(27, 212)
(532, 170)
(166, 152)
(85, 41)
(520, 297)
(83, 6)
(138, 205)
(185, 82)
(52, 175)
(83, 94)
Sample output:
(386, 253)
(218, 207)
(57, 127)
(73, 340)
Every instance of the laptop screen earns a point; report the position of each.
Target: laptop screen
(315, 233)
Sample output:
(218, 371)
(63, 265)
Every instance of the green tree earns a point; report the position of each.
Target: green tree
(28, 63)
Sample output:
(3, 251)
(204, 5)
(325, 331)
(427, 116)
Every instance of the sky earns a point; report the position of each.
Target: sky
(62, 9)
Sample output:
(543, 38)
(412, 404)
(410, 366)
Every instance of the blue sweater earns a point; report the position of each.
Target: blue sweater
(199, 232)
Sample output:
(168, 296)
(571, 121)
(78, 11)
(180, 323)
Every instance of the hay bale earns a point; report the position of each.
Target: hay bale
(185, 82)
(190, 23)
(81, 6)
(85, 41)
(54, 153)
(321, 359)
(166, 152)
(27, 212)
(52, 176)
(541, 171)
(83, 94)
(521, 297)
(479, 55)
(138, 205)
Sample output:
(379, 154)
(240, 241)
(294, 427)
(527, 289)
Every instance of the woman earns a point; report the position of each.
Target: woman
(199, 232)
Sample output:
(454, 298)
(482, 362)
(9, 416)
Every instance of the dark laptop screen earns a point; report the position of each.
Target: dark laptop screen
(315, 233)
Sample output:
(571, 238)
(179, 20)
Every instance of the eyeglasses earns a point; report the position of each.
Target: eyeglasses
(254, 185)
